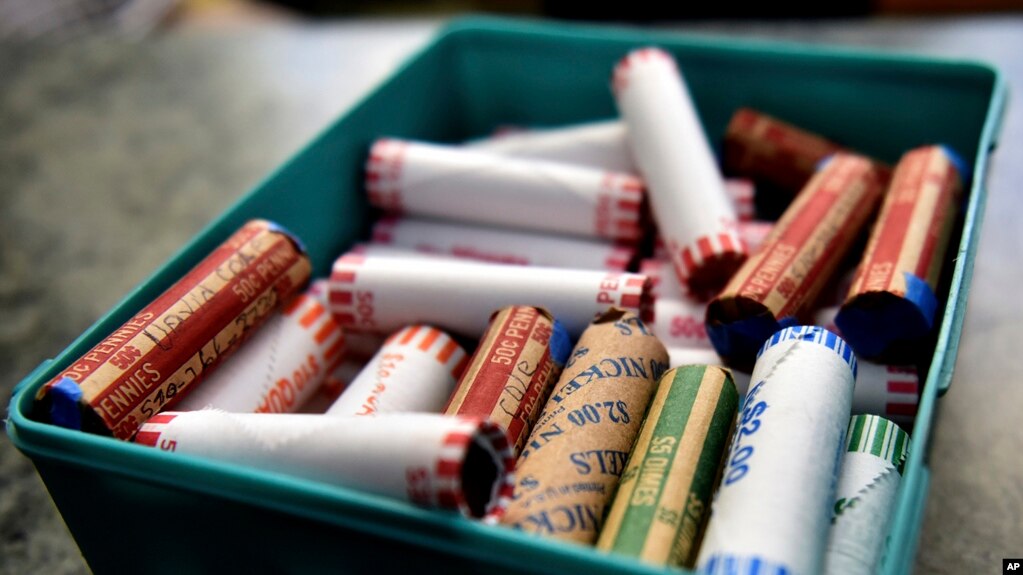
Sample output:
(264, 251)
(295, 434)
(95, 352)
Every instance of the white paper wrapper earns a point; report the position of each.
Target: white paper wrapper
(475, 186)
(754, 232)
(777, 488)
(868, 485)
(461, 464)
(595, 144)
(742, 193)
(686, 190)
(414, 371)
(888, 390)
(382, 294)
(336, 382)
(663, 281)
(501, 246)
(279, 368)
(678, 322)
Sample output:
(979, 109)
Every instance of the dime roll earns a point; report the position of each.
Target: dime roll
(797, 259)
(475, 186)
(772, 152)
(456, 463)
(280, 368)
(156, 356)
(664, 495)
(501, 246)
(868, 484)
(777, 488)
(891, 305)
(570, 465)
(385, 293)
(414, 371)
(510, 376)
(687, 194)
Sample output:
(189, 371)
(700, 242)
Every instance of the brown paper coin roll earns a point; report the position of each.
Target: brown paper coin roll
(570, 465)
(663, 498)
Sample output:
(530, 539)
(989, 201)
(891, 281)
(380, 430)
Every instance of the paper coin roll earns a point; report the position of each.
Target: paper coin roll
(414, 371)
(779, 281)
(891, 305)
(868, 484)
(385, 293)
(158, 355)
(476, 186)
(511, 373)
(570, 465)
(686, 191)
(777, 488)
(456, 463)
(664, 495)
(595, 144)
(501, 246)
(280, 368)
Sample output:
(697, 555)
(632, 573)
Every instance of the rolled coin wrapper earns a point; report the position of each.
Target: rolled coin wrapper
(891, 305)
(157, 356)
(743, 196)
(772, 152)
(336, 382)
(686, 191)
(511, 374)
(414, 371)
(383, 294)
(678, 322)
(664, 496)
(455, 463)
(777, 489)
(570, 465)
(889, 390)
(868, 485)
(600, 145)
(475, 186)
(280, 368)
(796, 260)
(501, 246)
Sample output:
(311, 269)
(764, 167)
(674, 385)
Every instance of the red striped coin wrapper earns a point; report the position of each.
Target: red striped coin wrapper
(511, 373)
(280, 367)
(383, 294)
(743, 194)
(456, 463)
(501, 246)
(892, 391)
(797, 259)
(768, 150)
(686, 190)
(474, 186)
(157, 356)
(600, 145)
(414, 371)
(891, 305)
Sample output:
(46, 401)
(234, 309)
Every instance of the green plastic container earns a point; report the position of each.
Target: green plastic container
(134, 507)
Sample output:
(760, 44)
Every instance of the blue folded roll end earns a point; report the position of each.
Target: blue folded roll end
(561, 344)
(882, 325)
(65, 409)
(738, 342)
(275, 227)
(962, 167)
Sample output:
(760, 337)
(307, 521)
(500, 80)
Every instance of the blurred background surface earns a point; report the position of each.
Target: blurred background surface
(128, 125)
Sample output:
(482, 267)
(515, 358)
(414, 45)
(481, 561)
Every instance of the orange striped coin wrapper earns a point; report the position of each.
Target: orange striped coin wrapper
(510, 375)
(772, 152)
(157, 355)
(384, 293)
(456, 463)
(663, 499)
(336, 382)
(570, 465)
(775, 286)
(501, 246)
(279, 368)
(891, 305)
(414, 371)
(465, 185)
(686, 191)
(600, 145)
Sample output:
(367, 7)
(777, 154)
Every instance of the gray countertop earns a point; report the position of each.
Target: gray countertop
(114, 153)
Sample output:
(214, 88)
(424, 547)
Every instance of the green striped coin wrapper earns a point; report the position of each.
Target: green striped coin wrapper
(664, 494)
(868, 484)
